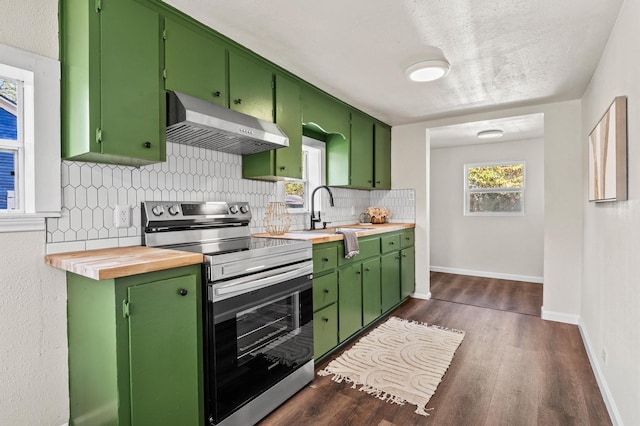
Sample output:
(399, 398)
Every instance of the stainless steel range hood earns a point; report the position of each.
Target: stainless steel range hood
(192, 121)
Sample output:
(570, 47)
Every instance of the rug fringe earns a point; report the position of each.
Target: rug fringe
(437, 327)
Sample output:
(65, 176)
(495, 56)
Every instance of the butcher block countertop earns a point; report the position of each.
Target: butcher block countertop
(327, 235)
(120, 262)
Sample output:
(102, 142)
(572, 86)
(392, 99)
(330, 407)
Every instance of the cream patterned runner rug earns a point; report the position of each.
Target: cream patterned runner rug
(399, 361)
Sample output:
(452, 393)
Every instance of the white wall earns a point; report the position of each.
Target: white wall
(562, 199)
(499, 246)
(33, 343)
(611, 286)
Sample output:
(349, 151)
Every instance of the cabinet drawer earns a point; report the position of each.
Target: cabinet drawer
(369, 247)
(390, 243)
(325, 290)
(325, 330)
(325, 259)
(407, 238)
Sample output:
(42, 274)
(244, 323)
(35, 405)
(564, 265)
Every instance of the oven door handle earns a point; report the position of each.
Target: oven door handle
(248, 283)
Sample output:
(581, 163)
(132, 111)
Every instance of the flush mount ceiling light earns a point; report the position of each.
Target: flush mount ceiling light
(428, 70)
(490, 134)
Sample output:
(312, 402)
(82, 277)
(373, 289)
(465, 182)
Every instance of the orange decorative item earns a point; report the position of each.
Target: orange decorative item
(378, 214)
(277, 220)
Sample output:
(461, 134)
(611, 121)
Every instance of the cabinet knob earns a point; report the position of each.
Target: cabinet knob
(326, 290)
(404, 255)
(325, 259)
(217, 94)
(237, 101)
(367, 269)
(378, 181)
(283, 168)
(147, 144)
(369, 181)
(392, 243)
(325, 319)
(183, 292)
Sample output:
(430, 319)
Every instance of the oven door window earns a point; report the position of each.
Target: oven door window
(259, 338)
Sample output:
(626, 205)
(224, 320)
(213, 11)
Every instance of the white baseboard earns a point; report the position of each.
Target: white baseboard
(602, 382)
(559, 317)
(497, 275)
(424, 296)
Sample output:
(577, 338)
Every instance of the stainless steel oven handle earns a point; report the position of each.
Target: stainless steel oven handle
(248, 283)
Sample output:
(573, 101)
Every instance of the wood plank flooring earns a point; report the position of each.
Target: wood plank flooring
(505, 295)
(511, 369)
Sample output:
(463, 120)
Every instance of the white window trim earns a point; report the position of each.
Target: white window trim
(40, 182)
(467, 191)
(310, 184)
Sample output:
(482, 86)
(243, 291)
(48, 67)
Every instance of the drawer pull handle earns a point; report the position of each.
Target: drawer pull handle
(183, 292)
(325, 319)
(326, 290)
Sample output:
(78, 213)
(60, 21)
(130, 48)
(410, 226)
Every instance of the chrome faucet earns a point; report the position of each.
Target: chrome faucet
(315, 220)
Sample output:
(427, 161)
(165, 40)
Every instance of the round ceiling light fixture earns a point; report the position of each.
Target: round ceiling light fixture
(429, 70)
(490, 134)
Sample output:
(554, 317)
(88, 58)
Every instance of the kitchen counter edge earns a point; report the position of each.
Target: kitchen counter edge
(118, 262)
(330, 236)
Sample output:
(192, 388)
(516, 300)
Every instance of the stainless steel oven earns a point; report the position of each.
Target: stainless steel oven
(258, 309)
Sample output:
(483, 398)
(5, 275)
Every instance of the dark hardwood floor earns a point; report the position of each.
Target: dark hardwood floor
(511, 369)
(505, 295)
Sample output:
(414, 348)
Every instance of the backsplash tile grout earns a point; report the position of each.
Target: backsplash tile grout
(90, 192)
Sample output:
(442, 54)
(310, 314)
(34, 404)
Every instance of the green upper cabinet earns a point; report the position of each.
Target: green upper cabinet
(112, 99)
(324, 114)
(250, 86)
(361, 155)
(382, 157)
(195, 63)
(283, 162)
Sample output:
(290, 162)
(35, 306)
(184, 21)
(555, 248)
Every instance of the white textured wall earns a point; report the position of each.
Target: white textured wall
(409, 157)
(493, 245)
(611, 289)
(562, 198)
(33, 343)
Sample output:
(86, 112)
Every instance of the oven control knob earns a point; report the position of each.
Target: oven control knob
(174, 210)
(157, 210)
(233, 209)
(244, 209)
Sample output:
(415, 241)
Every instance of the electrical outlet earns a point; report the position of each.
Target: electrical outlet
(122, 216)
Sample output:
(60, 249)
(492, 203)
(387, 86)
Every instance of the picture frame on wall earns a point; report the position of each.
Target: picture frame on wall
(608, 154)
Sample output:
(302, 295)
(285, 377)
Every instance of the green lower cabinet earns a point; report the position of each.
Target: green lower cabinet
(371, 291)
(325, 290)
(390, 277)
(325, 330)
(116, 331)
(349, 301)
(407, 272)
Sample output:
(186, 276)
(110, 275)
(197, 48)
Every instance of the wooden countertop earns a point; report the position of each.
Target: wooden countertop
(318, 236)
(121, 261)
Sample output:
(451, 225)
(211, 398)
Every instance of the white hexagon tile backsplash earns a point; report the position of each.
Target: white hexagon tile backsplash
(90, 192)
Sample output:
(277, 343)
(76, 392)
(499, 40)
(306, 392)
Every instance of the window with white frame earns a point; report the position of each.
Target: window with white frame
(30, 186)
(11, 144)
(297, 193)
(494, 189)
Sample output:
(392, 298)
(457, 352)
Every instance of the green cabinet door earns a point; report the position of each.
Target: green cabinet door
(407, 272)
(349, 301)
(371, 291)
(325, 330)
(250, 87)
(361, 155)
(283, 162)
(390, 280)
(164, 352)
(131, 97)
(382, 157)
(195, 63)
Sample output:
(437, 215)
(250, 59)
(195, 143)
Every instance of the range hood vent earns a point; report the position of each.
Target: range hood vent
(192, 121)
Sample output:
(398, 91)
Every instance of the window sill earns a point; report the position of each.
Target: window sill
(25, 222)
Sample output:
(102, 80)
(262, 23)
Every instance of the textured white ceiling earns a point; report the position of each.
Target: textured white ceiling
(502, 52)
(515, 128)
